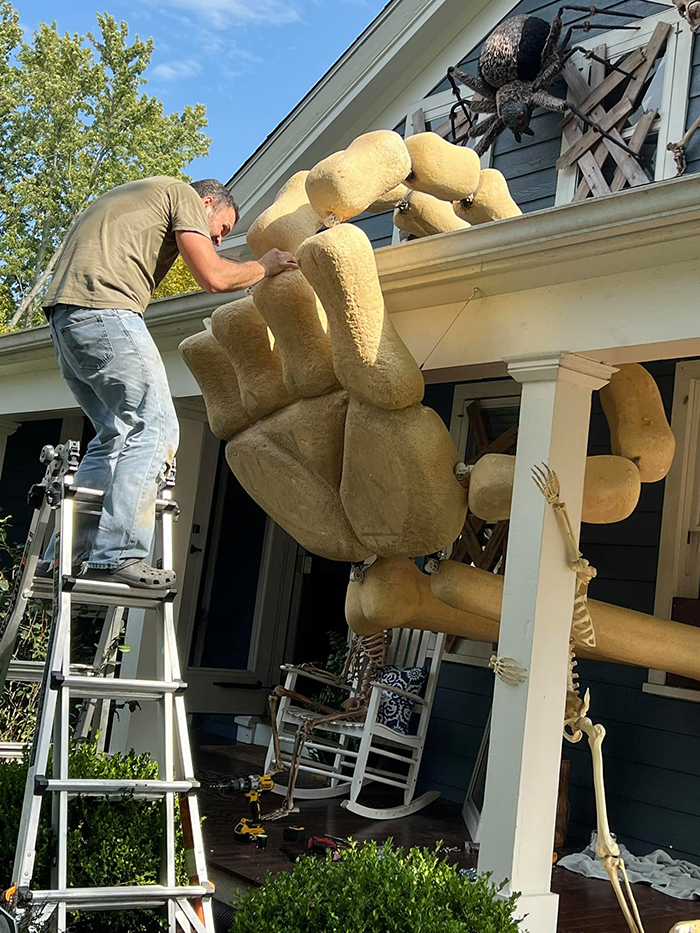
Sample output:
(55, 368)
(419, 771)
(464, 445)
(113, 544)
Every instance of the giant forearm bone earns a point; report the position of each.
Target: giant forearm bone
(463, 601)
(577, 721)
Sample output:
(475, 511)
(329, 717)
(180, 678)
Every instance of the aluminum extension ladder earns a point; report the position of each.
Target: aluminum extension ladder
(189, 908)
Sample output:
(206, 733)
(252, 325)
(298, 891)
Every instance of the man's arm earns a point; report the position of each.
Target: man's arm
(214, 274)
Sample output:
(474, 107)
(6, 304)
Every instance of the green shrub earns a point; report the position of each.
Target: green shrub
(375, 889)
(109, 843)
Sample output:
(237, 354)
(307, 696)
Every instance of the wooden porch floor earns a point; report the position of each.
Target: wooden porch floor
(586, 905)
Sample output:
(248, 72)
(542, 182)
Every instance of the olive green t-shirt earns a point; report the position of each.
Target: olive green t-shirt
(123, 244)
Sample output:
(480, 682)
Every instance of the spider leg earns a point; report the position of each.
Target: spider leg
(483, 126)
(549, 102)
(552, 41)
(598, 129)
(588, 53)
(460, 106)
(476, 84)
(593, 11)
(549, 73)
(485, 105)
(489, 135)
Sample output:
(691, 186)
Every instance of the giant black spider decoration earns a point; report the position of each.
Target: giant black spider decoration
(518, 62)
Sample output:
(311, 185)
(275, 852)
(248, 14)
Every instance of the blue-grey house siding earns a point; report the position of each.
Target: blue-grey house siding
(652, 749)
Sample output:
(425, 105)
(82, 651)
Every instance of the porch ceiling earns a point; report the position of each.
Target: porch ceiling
(614, 278)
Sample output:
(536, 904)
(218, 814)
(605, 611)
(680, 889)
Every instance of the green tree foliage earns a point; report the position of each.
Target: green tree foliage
(74, 122)
(178, 281)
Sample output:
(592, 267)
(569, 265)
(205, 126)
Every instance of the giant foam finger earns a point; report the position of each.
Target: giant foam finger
(611, 489)
(370, 359)
(439, 168)
(296, 317)
(639, 429)
(290, 463)
(240, 329)
(211, 367)
(398, 486)
(388, 201)
(492, 200)
(287, 222)
(423, 215)
(346, 183)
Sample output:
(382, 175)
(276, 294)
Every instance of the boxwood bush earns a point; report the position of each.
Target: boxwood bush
(109, 843)
(375, 889)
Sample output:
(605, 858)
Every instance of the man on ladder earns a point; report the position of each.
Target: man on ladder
(112, 259)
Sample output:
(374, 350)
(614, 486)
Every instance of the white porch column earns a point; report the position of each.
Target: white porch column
(7, 429)
(517, 832)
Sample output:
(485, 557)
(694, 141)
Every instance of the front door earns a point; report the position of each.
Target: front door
(238, 590)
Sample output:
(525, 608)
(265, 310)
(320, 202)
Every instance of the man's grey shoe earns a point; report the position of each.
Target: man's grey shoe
(133, 572)
(44, 569)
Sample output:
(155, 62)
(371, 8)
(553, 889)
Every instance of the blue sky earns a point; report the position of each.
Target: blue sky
(248, 61)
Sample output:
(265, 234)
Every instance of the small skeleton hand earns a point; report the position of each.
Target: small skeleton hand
(547, 482)
(508, 670)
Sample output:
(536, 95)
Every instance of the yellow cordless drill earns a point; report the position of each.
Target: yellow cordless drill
(252, 787)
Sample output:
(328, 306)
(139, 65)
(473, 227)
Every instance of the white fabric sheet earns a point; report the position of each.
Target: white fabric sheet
(670, 876)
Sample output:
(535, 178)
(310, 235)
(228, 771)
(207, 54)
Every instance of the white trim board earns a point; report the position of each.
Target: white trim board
(678, 571)
(493, 395)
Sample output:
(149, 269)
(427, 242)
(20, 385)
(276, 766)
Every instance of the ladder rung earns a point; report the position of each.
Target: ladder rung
(97, 593)
(150, 895)
(32, 672)
(99, 687)
(102, 788)
(82, 494)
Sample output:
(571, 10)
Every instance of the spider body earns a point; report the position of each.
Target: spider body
(518, 62)
(513, 51)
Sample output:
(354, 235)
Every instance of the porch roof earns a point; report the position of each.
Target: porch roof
(614, 278)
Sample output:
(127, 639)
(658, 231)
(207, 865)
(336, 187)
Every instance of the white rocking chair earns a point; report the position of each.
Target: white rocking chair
(350, 769)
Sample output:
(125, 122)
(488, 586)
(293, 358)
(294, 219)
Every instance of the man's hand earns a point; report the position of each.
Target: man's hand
(277, 261)
(215, 275)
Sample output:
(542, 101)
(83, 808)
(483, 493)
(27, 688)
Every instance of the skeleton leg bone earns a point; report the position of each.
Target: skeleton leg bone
(607, 848)
(300, 739)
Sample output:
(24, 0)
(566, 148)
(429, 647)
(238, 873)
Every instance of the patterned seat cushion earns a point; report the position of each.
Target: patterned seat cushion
(395, 711)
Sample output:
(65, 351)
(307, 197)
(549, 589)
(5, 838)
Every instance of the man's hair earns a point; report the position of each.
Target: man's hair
(220, 195)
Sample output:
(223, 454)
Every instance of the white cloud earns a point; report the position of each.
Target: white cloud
(225, 13)
(176, 70)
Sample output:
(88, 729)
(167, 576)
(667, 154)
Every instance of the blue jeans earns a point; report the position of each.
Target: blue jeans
(114, 370)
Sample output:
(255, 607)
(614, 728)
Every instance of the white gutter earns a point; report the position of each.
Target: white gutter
(580, 255)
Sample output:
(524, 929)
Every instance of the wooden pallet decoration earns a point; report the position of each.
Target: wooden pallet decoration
(587, 151)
